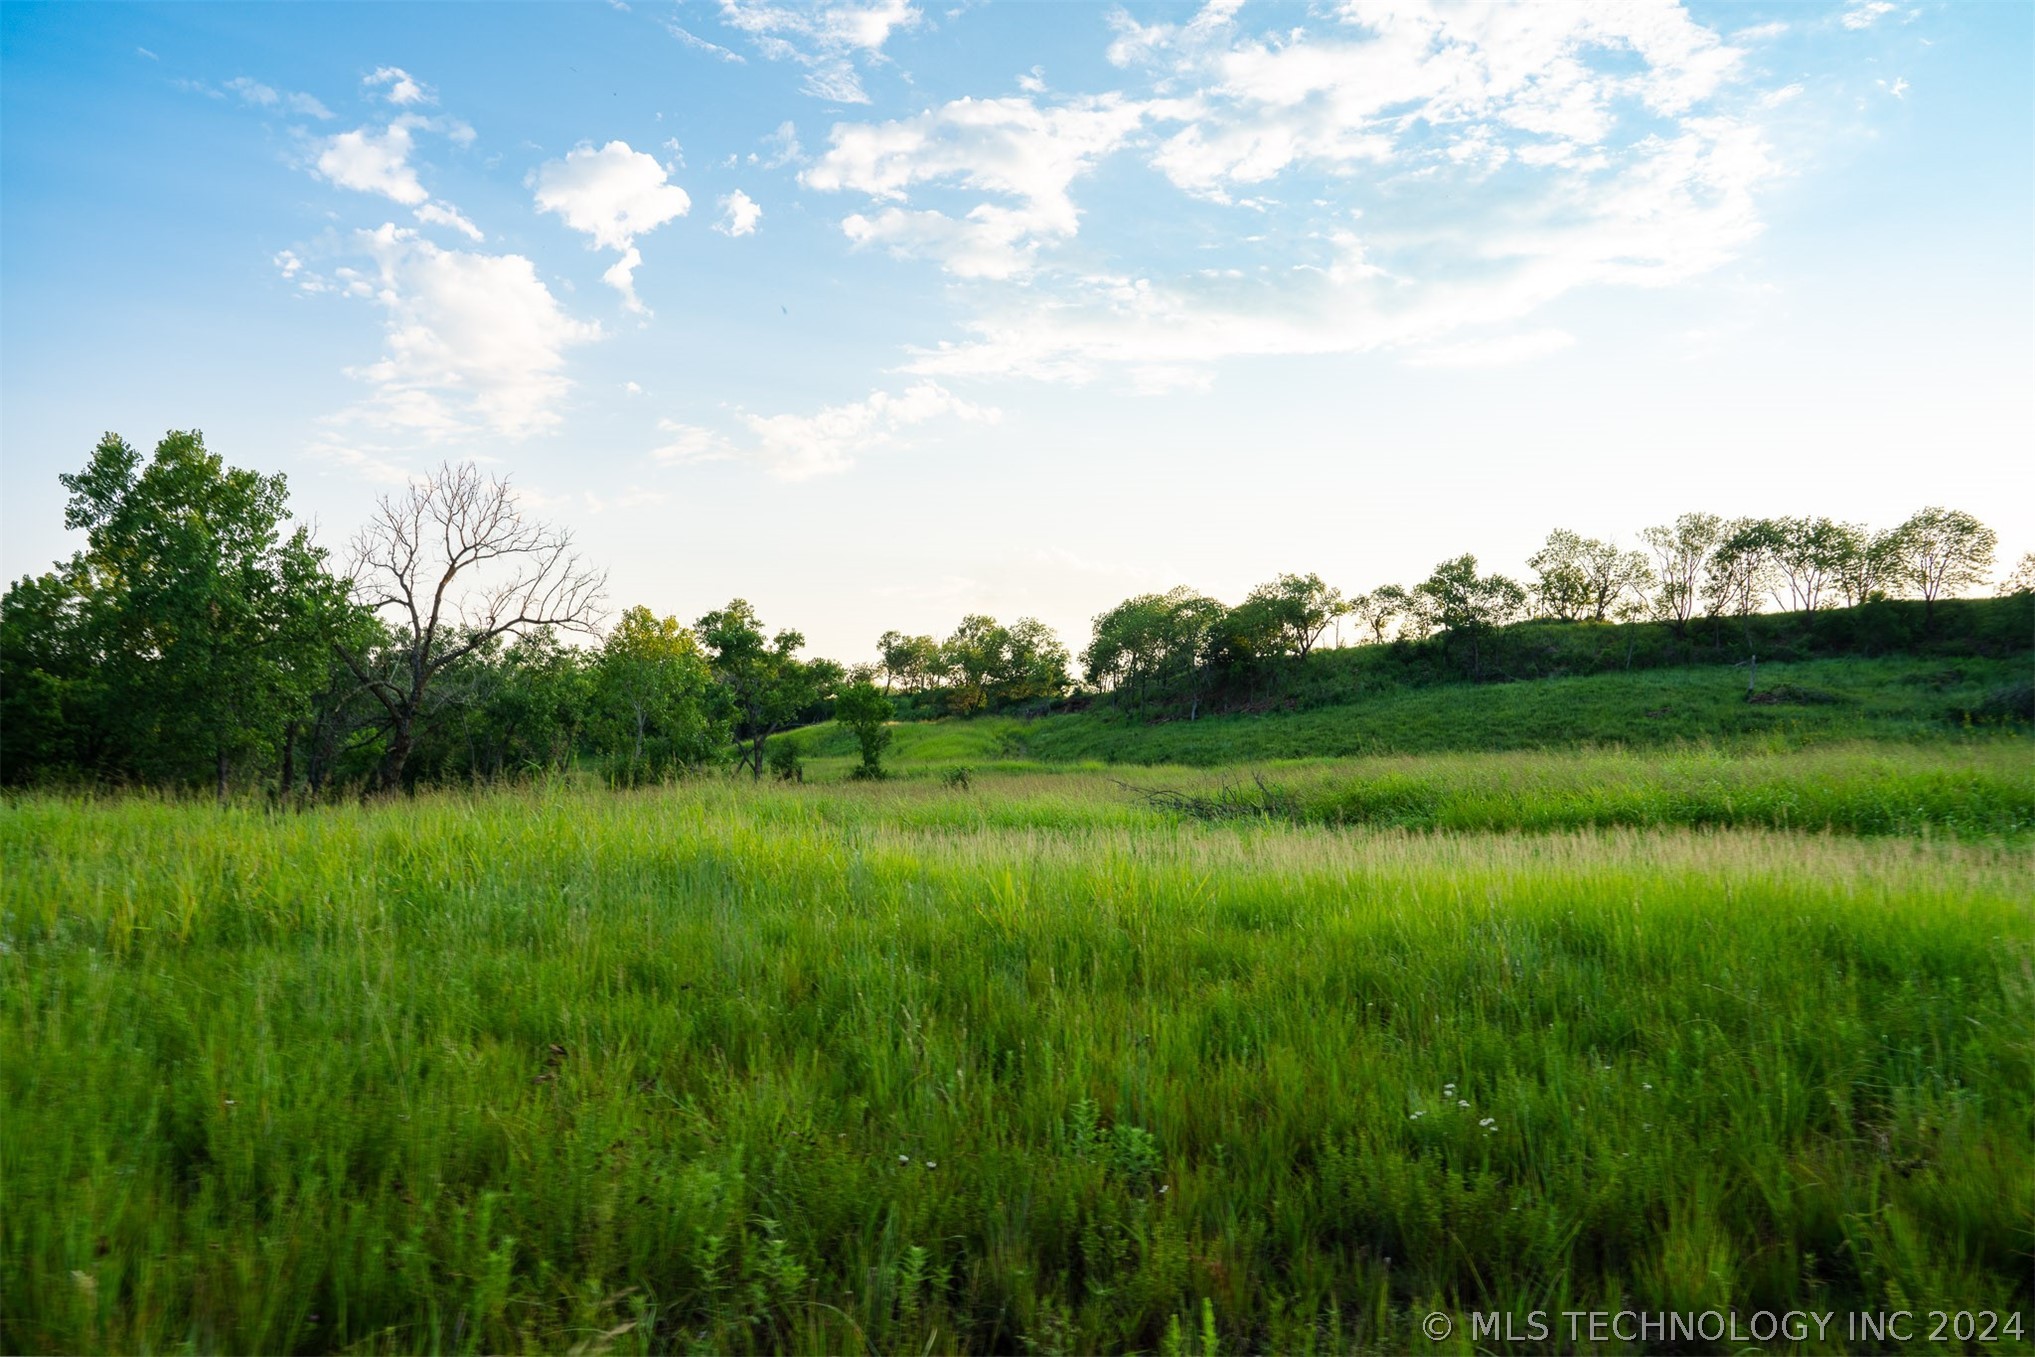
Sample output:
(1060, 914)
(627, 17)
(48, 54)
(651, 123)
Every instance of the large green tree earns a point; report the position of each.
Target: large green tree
(1467, 606)
(767, 686)
(1939, 552)
(655, 694)
(192, 631)
(1153, 646)
(1587, 579)
(865, 711)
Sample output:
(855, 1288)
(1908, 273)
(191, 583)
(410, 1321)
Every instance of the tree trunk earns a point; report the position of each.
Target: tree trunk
(389, 777)
(223, 768)
(288, 776)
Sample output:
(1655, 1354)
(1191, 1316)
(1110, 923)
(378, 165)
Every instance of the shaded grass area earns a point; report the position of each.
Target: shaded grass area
(1816, 701)
(1977, 790)
(1028, 1067)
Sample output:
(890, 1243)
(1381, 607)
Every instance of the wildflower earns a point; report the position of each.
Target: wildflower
(932, 1163)
(1462, 1102)
(904, 1159)
(1648, 1087)
(1162, 1189)
(1487, 1122)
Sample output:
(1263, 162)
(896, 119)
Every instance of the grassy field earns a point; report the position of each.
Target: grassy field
(1028, 1066)
(1817, 701)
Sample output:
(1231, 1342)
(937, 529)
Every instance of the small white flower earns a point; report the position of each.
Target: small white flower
(904, 1159)
(1462, 1102)
(1487, 1122)
(932, 1163)
(1162, 1189)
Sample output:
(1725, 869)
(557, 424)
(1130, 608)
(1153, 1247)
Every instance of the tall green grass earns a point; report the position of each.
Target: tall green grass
(1030, 1067)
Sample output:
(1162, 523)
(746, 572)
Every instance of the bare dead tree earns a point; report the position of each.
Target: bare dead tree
(452, 563)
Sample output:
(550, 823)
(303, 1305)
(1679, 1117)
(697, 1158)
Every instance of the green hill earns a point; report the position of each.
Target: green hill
(1811, 702)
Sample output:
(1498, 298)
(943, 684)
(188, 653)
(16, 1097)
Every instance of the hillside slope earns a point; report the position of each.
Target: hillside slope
(1809, 703)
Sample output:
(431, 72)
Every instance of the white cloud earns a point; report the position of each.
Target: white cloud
(739, 215)
(378, 162)
(1760, 32)
(143, 51)
(692, 443)
(445, 214)
(1395, 80)
(374, 162)
(1026, 155)
(827, 39)
(632, 388)
(786, 148)
(263, 96)
(698, 43)
(1496, 158)
(398, 87)
(1898, 87)
(473, 343)
(613, 195)
(798, 447)
(1866, 15)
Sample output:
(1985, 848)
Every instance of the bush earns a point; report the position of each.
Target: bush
(785, 761)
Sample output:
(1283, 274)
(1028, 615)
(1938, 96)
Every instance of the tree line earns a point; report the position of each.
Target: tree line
(201, 639)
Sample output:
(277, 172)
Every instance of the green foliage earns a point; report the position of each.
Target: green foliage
(1938, 552)
(1584, 579)
(786, 762)
(990, 665)
(916, 664)
(877, 1068)
(766, 685)
(1154, 647)
(186, 640)
(1467, 606)
(865, 711)
(655, 698)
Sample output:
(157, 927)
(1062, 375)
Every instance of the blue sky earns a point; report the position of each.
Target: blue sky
(882, 312)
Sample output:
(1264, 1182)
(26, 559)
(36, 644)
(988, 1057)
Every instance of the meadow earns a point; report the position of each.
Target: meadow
(1026, 1064)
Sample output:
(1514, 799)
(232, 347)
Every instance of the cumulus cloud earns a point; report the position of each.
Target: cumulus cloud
(1025, 154)
(827, 39)
(612, 195)
(473, 343)
(370, 161)
(739, 215)
(398, 87)
(798, 447)
(377, 161)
